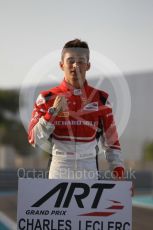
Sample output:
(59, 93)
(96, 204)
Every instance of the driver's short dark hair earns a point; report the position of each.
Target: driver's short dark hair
(76, 43)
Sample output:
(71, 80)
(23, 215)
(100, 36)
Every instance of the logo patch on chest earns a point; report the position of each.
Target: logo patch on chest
(93, 106)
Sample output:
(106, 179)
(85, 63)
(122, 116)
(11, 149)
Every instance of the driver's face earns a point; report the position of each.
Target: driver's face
(75, 65)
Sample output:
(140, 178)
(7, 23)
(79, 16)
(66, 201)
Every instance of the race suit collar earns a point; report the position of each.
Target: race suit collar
(67, 87)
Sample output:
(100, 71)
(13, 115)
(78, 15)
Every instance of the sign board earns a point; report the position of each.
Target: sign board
(45, 204)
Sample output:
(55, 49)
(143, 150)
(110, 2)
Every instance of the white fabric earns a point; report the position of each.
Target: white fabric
(63, 168)
(114, 158)
(64, 152)
(42, 132)
(74, 150)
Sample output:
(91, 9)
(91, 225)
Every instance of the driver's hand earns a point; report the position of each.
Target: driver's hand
(60, 104)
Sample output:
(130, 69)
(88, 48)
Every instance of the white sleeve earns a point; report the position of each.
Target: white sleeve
(114, 158)
(42, 131)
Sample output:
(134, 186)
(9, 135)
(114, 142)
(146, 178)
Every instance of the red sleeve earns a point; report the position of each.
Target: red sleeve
(43, 102)
(37, 113)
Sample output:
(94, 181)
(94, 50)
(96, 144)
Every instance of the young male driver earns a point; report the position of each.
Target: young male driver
(66, 120)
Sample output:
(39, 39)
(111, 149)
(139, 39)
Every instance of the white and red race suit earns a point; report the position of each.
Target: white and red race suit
(71, 136)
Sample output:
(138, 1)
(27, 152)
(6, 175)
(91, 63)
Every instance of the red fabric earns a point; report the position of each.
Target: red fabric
(79, 122)
(47, 116)
(118, 172)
